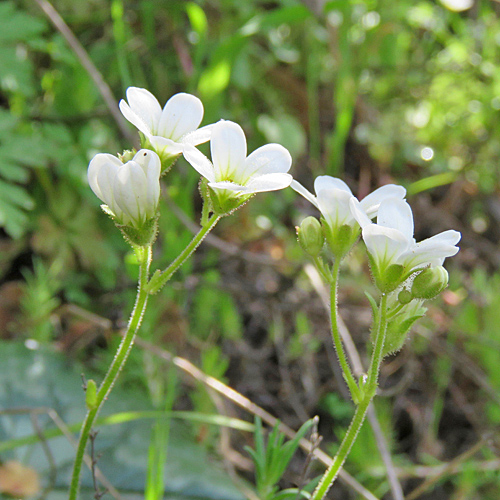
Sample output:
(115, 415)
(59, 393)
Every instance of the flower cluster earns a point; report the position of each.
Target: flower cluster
(129, 185)
(130, 189)
(408, 271)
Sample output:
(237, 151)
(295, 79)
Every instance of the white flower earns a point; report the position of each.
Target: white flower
(233, 174)
(167, 130)
(457, 5)
(130, 190)
(390, 241)
(333, 196)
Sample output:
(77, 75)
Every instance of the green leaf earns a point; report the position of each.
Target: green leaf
(17, 25)
(197, 18)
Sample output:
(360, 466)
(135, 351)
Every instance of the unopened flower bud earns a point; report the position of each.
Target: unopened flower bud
(405, 296)
(91, 394)
(311, 236)
(127, 155)
(430, 282)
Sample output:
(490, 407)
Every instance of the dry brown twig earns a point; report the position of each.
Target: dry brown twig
(446, 469)
(90, 67)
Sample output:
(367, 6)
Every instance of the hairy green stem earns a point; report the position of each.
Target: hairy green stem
(369, 390)
(337, 341)
(159, 279)
(144, 257)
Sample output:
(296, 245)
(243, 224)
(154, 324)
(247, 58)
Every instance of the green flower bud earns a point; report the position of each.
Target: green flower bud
(405, 296)
(91, 394)
(430, 282)
(127, 155)
(311, 237)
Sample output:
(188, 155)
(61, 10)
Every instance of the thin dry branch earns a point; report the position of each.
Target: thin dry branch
(447, 469)
(237, 398)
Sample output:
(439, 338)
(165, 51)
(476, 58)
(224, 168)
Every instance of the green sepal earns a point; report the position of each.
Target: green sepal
(340, 239)
(91, 394)
(388, 278)
(225, 202)
(144, 236)
(127, 155)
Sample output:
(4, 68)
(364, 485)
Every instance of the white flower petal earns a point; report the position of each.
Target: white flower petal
(268, 159)
(133, 118)
(385, 244)
(200, 136)
(396, 214)
(143, 109)
(228, 185)
(260, 184)
(130, 191)
(433, 250)
(334, 205)
(358, 213)
(101, 171)
(229, 150)
(299, 188)
(371, 202)
(328, 182)
(182, 114)
(269, 182)
(199, 162)
(150, 162)
(165, 146)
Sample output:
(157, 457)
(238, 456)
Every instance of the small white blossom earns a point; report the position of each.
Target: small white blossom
(130, 190)
(333, 196)
(390, 240)
(170, 128)
(233, 174)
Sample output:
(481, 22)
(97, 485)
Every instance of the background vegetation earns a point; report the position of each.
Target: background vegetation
(371, 91)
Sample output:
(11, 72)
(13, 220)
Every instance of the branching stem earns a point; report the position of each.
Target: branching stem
(368, 391)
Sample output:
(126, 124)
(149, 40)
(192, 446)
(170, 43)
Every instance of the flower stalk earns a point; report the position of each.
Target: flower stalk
(144, 257)
(337, 341)
(159, 279)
